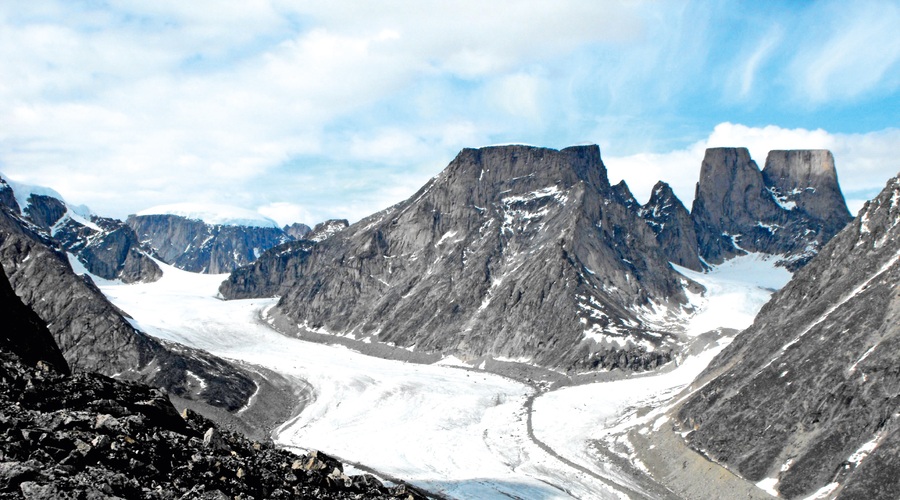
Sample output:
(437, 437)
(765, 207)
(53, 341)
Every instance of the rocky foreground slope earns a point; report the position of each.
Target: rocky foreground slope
(529, 254)
(89, 436)
(808, 398)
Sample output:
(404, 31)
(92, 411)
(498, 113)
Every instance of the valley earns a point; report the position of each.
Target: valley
(453, 430)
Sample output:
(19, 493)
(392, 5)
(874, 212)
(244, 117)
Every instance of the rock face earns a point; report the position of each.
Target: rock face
(792, 210)
(327, 229)
(809, 393)
(24, 334)
(105, 247)
(89, 436)
(673, 226)
(296, 231)
(513, 252)
(94, 336)
(194, 245)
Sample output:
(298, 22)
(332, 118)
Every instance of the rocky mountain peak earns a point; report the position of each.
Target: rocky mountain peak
(624, 196)
(674, 229)
(806, 179)
(739, 209)
(515, 252)
(518, 169)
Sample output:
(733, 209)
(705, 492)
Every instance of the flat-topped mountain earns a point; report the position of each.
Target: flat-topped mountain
(213, 239)
(512, 252)
(807, 397)
(792, 209)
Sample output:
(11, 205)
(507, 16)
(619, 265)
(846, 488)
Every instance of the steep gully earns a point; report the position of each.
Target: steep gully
(476, 434)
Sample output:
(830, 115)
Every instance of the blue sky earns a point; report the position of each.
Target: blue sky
(311, 110)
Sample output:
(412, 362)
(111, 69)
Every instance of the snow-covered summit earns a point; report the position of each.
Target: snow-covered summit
(214, 214)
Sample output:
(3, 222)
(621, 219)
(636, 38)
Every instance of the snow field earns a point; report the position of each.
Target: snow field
(459, 432)
(455, 431)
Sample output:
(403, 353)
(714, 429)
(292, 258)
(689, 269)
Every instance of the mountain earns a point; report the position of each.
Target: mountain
(206, 238)
(673, 226)
(105, 247)
(94, 336)
(89, 436)
(791, 208)
(808, 397)
(513, 252)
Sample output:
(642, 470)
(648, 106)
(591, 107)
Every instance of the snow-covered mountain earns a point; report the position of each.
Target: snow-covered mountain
(806, 400)
(208, 238)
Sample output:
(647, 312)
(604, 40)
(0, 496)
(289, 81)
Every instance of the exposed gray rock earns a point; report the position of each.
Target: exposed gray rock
(112, 252)
(673, 226)
(196, 246)
(25, 334)
(8, 197)
(624, 196)
(737, 209)
(44, 211)
(515, 252)
(269, 276)
(325, 230)
(806, 180)
(106, 247)
(809, 393)
(296, 231)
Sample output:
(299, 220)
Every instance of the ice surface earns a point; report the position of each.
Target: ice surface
(454, 431)
(735, 291)
(459, 432)
(215, 214)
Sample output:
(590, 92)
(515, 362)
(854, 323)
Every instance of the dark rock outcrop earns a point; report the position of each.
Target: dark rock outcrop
(89, 436)
(809, 393)
(194, 245)
(25, 334)
(673, 226)
(109, 250)
(738, 209)
(8, 196)
(513, 252)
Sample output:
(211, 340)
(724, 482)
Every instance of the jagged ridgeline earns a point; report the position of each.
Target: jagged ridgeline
(808, 397)
(528, 254)
(512, 252)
